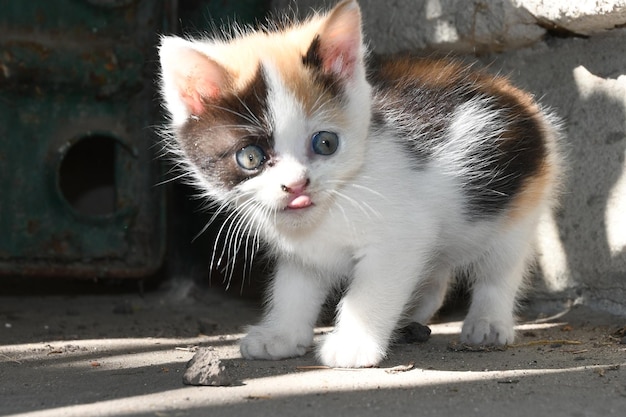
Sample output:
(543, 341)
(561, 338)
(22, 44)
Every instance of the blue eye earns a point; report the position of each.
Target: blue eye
(325, 143)
(251, 157)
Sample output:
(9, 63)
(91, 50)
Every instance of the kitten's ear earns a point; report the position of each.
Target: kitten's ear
(190, 78)
(338, 48)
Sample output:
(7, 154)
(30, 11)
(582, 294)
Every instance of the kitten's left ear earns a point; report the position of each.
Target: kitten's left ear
(338, 48)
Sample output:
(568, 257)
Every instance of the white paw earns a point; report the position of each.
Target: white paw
(347, 350)
(264, 342)
(483, 331)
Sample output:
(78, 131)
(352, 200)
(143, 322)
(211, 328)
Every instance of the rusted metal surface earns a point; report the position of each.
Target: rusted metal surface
(78, 72)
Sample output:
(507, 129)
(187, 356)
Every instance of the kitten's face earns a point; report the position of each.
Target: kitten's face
(273, 123)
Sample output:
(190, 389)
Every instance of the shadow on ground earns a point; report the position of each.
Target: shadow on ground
(124, 355)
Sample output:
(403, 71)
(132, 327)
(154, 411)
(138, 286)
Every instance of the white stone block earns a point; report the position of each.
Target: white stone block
(584, 17)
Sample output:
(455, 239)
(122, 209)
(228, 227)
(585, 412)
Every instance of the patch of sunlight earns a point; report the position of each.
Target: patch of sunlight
(449, 327)
(89, 347)
(130, 359)
(615, 218)
(290, 385)
(454, 327)
(445, 32)
(433, 9)
(589, 85)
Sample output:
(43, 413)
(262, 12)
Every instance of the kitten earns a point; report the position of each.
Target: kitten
(387, 178)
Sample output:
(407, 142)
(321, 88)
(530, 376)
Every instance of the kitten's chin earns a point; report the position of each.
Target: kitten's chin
(298, 216)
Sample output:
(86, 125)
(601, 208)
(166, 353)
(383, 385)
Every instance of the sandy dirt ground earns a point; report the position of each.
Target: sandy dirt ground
(124, 354)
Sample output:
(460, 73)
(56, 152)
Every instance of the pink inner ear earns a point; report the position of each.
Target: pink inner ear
(198, 79)
(340, 40)
(341, 58)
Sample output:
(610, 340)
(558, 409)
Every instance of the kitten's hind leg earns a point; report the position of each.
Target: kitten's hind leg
(286, 330)
(431, 294)
(499, 277)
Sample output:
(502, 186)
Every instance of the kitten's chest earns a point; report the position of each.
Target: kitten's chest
(326, 248)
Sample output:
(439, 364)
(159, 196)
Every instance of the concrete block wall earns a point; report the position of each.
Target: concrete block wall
(572, 56)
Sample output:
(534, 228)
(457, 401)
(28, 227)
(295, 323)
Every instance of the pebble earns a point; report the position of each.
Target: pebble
(206, 368)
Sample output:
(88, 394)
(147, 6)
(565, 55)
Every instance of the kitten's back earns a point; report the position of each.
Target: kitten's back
(492, 136)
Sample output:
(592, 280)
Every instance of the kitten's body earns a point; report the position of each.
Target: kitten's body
(387, 183)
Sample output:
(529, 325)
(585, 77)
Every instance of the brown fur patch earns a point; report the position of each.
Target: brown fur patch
(316, 95)
(431, 90)
(285, 51)
(230, 123)
(447, 74)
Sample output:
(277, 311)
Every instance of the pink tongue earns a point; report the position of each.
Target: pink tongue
(299, 202)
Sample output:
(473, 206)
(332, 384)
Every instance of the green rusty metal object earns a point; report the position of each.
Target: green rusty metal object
(77, 163)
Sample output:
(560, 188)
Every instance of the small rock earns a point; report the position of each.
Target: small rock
(205, 368)
(413, 333)
(623, 341)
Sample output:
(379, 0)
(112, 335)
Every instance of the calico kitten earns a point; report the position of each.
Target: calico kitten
(385, 178)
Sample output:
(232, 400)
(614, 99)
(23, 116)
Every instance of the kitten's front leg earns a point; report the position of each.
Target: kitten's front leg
(382, 285)
(286, 330)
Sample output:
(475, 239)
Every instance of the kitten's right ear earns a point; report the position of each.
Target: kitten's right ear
(190, 78)
(338, 47)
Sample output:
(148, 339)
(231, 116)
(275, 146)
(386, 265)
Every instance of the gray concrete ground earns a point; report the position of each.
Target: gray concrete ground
(125, 354)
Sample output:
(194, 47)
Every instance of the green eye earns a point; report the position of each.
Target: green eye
(251, 157)
(324, 143)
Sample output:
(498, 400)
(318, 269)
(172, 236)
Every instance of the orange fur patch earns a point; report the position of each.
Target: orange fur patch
(532, 194)
(284, 50)
(544, 186)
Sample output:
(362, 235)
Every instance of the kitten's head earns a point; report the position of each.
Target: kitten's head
(272, 122)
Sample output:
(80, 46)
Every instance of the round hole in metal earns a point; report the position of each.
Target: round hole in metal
(87, 177)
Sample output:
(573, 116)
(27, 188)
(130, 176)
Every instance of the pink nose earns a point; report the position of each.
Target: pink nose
(297, 187)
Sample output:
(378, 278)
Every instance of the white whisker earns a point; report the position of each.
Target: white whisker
(236, 237)
(234, 233)
(343, 183)
(253, 116)
(349, 222)
(169, 180)
(362, 206)
(253, 121)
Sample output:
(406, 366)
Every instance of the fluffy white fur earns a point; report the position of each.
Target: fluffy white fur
(394, 236)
